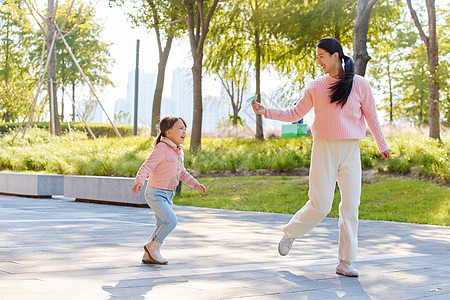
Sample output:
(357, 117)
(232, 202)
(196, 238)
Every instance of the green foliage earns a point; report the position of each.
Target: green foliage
(82, 34)
(400, 65)
(230, 120)
(387, 198)
(411, 155)
(16, 79)
(297, 27)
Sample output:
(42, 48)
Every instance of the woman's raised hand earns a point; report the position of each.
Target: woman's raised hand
(258, 108)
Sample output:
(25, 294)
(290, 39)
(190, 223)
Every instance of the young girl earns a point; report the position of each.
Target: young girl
(164, 169)
(342, 102)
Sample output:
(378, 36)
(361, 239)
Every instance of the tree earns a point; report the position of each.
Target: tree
(198, 27)
(297, 26)
(50, 36)
(413, 86)
(230, 54)
(48, 31)
(162, 16)
(83, 37)
(16, 69)
(122, 117)
(391, 42)
(360, 29)
(444, 64)
(233, 77)
(431, 44)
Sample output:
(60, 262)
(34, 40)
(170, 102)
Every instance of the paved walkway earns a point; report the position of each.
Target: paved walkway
(61, 249)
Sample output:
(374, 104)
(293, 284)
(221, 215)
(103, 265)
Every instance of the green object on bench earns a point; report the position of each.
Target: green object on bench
(293, 130)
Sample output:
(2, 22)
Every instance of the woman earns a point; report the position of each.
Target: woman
(342, 102)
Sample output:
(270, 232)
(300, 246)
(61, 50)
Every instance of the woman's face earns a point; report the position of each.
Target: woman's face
(329, 63)
(177, 133)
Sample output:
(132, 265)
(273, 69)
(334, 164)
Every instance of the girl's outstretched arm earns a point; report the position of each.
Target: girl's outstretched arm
(136, 188)
(200, 187)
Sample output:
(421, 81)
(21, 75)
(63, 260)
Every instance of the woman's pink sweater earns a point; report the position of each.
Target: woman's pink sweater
(331, 122)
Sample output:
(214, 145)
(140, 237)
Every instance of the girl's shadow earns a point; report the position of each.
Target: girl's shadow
(137, 288)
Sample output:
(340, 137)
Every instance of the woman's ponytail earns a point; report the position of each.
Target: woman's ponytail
(340, 90)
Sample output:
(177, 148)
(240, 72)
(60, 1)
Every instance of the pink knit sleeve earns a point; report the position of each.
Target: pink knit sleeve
(149, 165)
(295, 113)
(370, 114)
(188, 178)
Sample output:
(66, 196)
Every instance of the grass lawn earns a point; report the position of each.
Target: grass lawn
(388, 198)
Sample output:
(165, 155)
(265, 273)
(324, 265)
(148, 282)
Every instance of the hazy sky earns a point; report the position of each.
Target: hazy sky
(120, 32)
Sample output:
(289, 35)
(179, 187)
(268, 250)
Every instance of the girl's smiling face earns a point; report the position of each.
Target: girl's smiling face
(177, 133)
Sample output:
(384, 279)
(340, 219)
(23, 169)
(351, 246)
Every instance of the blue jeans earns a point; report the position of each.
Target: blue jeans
(160, 201)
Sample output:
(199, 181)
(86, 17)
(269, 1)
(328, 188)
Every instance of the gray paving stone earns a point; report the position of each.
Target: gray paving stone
(61, 249)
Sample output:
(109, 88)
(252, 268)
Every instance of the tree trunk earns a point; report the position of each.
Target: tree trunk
(259, 134)
(196, 133)
(433, 62)
(6, 117)
(73, 102)
(235, 115)
(62, 105)
(391, 98)
(157, 98)
(197, 35)
(51, 75)
(360, 29)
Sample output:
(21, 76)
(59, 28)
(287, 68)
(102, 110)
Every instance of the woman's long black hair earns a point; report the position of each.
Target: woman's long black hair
(341, 89)
(165, 124)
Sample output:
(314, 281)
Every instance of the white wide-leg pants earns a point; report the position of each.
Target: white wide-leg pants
(331, 161)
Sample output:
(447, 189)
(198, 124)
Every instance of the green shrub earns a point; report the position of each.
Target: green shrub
(98, 129)
(366, 161)
(398, 166)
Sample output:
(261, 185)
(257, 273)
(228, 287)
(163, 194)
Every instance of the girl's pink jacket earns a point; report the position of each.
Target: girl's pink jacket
(164, 167)
(331, 122)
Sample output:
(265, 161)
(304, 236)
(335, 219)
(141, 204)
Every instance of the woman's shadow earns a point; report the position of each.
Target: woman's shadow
(349, 286)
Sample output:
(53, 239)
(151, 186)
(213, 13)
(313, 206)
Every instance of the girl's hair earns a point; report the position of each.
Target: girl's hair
(342, 88)
(165, 124)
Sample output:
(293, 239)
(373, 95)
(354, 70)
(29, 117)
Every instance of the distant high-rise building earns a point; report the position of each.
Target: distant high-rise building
(146, 91)
(182, 94)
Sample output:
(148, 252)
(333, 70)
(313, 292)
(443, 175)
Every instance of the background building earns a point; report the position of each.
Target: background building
(216, 108)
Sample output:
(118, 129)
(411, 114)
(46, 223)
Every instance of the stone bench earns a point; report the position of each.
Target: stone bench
(29, 184)
(103, 189)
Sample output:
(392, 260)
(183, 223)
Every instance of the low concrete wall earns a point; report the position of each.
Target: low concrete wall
(103, 189)
(27, 184)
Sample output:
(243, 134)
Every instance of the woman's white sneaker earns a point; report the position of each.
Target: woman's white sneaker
(285, 244)
(345, 268)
